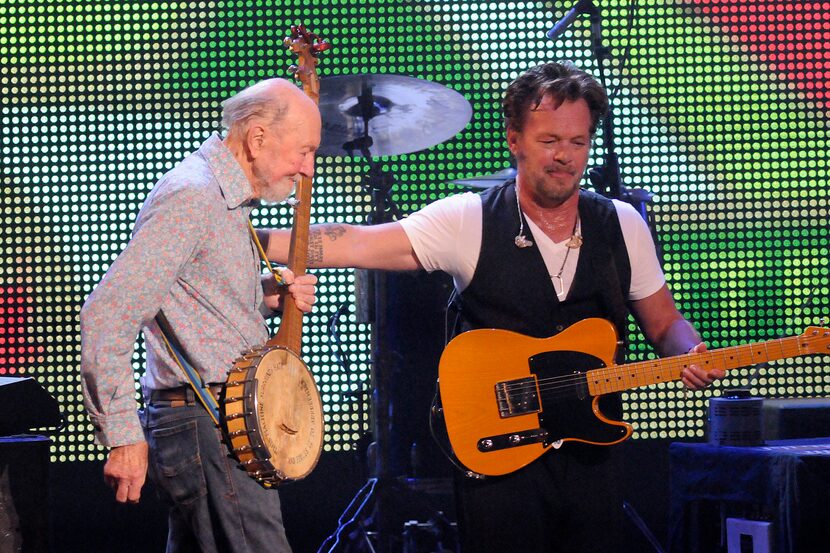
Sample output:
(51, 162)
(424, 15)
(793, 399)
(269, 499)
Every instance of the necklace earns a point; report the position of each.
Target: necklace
(573, 243)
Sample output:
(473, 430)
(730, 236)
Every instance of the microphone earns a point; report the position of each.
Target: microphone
(581, 7)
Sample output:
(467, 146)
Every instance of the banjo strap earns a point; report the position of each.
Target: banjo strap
(204, 394)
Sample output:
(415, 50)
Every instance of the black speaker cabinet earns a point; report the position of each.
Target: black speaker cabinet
(24, 496)
(785, 419)
(24, 406)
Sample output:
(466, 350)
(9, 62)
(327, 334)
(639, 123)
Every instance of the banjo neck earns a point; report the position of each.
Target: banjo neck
(307, 46)
(290, 333)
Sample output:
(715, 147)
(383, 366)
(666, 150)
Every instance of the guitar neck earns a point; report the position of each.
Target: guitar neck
(617, 378)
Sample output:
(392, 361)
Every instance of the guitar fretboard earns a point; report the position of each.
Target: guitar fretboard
(644, 373)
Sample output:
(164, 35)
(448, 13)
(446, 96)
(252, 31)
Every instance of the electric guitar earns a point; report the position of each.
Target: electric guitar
(508, 398)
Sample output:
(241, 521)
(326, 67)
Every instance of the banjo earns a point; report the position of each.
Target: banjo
(270, 408)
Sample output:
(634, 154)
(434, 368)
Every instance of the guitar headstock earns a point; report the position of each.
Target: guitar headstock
(816, 339)
(307, 46)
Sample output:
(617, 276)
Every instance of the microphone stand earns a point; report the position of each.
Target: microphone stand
(606, 177)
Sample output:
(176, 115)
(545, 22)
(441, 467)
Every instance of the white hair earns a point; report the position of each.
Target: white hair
(256, 101)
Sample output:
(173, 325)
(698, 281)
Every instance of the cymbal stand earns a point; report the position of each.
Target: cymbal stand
(380, 487)
(379, 183)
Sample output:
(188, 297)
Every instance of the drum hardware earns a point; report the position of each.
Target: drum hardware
(368, 116)
(488, 181)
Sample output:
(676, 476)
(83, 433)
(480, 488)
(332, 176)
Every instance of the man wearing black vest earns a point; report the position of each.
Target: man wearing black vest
(535, 255)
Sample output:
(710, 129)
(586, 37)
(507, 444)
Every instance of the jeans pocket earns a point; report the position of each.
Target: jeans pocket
(175, 452)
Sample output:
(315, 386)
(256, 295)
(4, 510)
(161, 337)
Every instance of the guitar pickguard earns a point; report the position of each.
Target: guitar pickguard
(566, 406)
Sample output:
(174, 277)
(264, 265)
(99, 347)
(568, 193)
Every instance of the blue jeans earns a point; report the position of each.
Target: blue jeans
(215, 507)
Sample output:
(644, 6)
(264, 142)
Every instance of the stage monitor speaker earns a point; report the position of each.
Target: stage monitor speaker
(24, 406)
(786, 419)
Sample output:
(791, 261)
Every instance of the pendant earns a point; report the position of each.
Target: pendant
(574, 242)
(560, 290)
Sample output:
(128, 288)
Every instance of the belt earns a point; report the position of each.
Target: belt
(181, 396)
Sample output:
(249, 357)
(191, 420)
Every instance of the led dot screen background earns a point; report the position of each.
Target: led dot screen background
(720, 111)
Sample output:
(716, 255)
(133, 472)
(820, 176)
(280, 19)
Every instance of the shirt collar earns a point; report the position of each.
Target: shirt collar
(233, 183)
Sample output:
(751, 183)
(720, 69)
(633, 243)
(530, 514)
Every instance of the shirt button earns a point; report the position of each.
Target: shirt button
(560, 328)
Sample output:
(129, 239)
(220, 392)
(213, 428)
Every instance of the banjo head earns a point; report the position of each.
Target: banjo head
(290, 413)
(277, 433)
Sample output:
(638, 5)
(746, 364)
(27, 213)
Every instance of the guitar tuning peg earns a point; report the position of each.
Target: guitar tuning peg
(293, 69)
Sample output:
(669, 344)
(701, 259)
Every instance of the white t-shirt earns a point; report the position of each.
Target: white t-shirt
(446, 236)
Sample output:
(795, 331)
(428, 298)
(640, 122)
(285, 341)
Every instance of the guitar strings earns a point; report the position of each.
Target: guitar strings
(572, 380)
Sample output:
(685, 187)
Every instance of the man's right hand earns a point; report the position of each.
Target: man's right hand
(126, 470)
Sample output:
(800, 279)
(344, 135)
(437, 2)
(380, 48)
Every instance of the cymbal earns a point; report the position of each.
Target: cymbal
(404, 114)
(487, 181)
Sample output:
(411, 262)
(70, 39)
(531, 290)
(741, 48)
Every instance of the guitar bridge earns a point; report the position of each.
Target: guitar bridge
(518, 397)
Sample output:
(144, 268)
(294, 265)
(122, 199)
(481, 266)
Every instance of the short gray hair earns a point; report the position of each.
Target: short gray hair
(258, 100)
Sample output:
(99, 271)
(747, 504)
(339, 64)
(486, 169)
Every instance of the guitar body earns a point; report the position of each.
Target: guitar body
(490, 390)
(273, 416)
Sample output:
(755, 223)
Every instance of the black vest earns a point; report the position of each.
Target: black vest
(511, 287)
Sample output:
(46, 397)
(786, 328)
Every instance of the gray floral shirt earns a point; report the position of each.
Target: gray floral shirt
(191, 256)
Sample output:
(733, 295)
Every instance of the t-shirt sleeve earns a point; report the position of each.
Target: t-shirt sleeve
(646, 273)
(446, 236)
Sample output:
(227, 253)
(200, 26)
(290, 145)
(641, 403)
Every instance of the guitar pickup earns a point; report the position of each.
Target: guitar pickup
(514, 439)
(518, 397)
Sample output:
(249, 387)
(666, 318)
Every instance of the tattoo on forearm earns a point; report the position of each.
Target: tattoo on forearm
(315, 246)
(315, 240)
(333, 232)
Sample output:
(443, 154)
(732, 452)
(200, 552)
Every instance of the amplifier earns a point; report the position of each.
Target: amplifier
(796, 418)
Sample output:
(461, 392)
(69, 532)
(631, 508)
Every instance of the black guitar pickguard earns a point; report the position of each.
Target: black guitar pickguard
(566, 404)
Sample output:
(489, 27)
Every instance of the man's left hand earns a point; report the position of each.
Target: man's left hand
(697, 378)
(302, 289)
